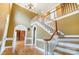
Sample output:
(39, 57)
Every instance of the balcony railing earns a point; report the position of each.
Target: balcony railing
(63, 9)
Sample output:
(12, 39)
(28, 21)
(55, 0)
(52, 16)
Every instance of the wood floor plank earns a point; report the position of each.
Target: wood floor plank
(21, 50)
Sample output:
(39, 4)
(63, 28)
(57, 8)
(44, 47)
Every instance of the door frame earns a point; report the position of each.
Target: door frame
(18, 27)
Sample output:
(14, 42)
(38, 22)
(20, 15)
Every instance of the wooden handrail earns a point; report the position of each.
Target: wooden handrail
(55, 32)
(51, 36)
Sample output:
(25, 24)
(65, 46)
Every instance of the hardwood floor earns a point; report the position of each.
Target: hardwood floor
(8, 51)
(21, 50)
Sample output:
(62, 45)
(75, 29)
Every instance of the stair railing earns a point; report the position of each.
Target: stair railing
(47, 43)
(63, 9)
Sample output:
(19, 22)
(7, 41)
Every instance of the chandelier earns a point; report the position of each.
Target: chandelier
(30, 5)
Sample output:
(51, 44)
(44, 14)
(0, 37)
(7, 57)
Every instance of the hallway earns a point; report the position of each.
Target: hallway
(21, 50)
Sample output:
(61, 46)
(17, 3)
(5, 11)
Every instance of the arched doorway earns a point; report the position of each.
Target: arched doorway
(20, 34)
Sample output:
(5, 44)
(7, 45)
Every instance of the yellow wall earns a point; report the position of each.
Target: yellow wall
(4, 11)
(69, 25)
(12, 23)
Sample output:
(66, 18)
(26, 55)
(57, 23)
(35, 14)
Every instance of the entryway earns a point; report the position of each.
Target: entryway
(20, 35)
(19, 42)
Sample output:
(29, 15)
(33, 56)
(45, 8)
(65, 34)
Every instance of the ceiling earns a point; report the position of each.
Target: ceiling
(41, 7)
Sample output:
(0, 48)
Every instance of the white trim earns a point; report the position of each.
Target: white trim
(3, 45)
(40, 39)
(71, 35)
(2, 51)
(8, 47)
(5, 34)
(6, 26)
(9, 38)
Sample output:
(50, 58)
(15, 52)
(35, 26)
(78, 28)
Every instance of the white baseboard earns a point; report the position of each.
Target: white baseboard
(0, 42)
(9, 38)
(71, 35)
(42, 50)
(8, 47)
(2, 51)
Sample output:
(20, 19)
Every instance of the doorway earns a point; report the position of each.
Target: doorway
(20, 35)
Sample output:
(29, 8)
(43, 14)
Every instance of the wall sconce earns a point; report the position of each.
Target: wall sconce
(28, 29)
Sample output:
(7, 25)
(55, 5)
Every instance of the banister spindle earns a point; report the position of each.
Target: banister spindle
(76, 6)
(65, 8)
(70, 7)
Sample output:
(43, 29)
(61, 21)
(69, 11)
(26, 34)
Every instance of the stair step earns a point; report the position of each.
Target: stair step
(69, 45)
(74, 42)
(68, 40)
(66, 51)
(55, 53)
(66, 47)
(61, 52)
